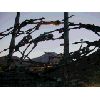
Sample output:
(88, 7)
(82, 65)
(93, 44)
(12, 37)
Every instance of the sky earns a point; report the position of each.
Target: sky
(7, 20)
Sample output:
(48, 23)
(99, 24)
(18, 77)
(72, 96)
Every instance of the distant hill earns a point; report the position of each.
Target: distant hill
(42, 59)
(45, 57)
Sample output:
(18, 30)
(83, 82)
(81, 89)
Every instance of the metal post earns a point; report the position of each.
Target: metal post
(12, 43)
(66, 49)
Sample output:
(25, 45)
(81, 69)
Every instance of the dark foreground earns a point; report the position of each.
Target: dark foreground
(83, 72)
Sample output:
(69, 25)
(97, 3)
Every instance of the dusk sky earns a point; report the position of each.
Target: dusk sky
(7, 20)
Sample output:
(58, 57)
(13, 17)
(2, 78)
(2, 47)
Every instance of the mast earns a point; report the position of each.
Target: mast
(12, 43)
(66, 49)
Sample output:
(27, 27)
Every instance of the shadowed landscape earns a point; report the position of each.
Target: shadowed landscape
(80, 68)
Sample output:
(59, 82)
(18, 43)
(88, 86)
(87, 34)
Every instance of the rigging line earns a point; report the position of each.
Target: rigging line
(22, 60)
(6, 30)
(4, 50)
(30, 51)
(25, 50)
(6, 35)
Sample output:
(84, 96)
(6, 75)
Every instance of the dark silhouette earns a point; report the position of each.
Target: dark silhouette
(68, 69)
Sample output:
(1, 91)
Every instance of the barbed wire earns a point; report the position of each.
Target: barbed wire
(45, 36)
